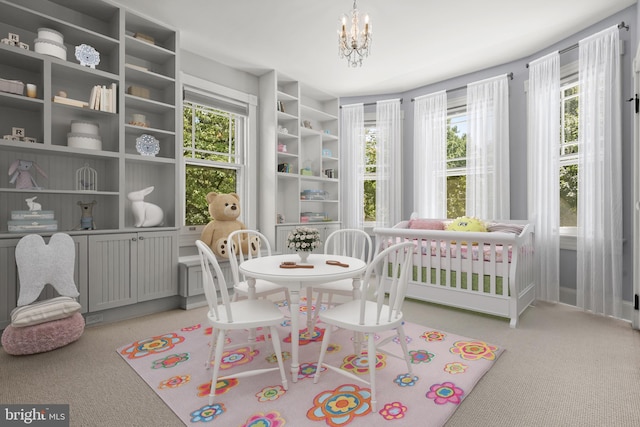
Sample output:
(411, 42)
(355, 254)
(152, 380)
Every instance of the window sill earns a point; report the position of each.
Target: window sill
(568, 239)
(189, 235)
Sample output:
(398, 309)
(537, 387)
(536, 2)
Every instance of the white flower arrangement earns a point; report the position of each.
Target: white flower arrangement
(303, 239)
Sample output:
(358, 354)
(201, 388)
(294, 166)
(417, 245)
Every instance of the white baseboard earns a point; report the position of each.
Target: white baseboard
(569, 296)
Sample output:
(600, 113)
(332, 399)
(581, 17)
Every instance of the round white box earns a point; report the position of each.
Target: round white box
(49, 34)
(49, 47)
(84, 127)
(84, 140)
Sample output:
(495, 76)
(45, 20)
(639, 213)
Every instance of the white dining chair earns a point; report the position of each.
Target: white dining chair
(225, 315)
(237, 256)
(367, 317)
(351, 242)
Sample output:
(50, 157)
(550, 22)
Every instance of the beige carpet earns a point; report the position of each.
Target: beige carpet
(562, 367)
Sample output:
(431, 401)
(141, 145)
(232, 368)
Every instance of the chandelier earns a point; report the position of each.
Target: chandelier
(354, 43)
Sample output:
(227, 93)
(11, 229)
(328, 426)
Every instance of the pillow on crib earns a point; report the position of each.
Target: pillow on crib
(467, 223)
(505, 228)
(425, 224)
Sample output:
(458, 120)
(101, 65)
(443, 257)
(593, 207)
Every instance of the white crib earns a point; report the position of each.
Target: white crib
(488, 272)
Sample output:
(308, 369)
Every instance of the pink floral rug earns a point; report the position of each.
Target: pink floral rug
(446, 367)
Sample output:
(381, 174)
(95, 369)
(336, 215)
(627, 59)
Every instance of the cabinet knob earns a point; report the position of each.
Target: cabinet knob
(140, 238)
(133, 239)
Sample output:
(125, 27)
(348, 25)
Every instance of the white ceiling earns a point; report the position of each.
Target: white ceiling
(415, 42)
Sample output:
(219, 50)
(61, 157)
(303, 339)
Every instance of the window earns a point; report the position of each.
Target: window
(456, 162)
(213, 146)
(370, 153)
(569, 120)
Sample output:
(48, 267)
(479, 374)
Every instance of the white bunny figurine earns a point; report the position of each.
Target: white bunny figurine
(33, 206)
(145, 214)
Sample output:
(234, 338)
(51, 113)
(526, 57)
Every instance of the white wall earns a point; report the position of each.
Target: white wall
(209, 69)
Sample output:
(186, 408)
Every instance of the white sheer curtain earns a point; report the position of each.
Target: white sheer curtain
(599, 274)
(352, 141)
(388, 168)
(544, 165)
(430, 155)
(488, 148)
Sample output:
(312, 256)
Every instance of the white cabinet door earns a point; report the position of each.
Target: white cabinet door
(157, 265)
(111, 273)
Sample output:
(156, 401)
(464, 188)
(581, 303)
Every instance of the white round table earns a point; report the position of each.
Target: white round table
(268, 268)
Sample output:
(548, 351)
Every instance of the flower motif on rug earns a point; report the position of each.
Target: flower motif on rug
(446, 392)
(304, 308)
(191, 328)
(359, 363)
(271, 419)
(420, 356)
(270, 393)
(174, 382)
(207, 413)
(455, 368)
(393, 411)
(170, 361)
(152, 345)
(222, 386)
(406, 380)
(333, 348)
(474, 350)
(431, 336)
(396, 339)
(273, 359)
(308, 370)
(237, 357)
(306, 338)
(340, 406)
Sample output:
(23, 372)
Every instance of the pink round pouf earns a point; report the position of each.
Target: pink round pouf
(46, 336)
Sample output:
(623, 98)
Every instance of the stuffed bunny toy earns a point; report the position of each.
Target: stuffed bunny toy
(20, 171)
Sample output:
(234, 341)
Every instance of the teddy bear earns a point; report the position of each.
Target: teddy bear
(224, 209)
(86, 220)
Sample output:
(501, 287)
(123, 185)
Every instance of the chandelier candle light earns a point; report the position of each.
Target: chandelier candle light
(354, 44)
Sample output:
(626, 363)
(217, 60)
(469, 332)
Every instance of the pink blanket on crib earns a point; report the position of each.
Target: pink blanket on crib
(463, 248)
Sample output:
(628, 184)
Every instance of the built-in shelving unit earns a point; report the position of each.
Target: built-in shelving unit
(299, 154)
(139, 57)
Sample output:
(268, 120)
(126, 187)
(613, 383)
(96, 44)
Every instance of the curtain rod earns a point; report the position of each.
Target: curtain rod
(510, 75)
(574, 46)
(368, 104)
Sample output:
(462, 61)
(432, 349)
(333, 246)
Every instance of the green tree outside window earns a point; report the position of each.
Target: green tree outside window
(209, 148)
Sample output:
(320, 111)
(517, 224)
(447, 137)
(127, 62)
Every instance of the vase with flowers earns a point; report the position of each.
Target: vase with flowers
(303, 240)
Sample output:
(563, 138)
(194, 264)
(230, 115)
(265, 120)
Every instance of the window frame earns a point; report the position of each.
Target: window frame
(568, 76)
(369, 122)
(247, 172)
(455, 107)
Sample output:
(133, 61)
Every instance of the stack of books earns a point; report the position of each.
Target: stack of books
(103, 98)
(32, 222)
